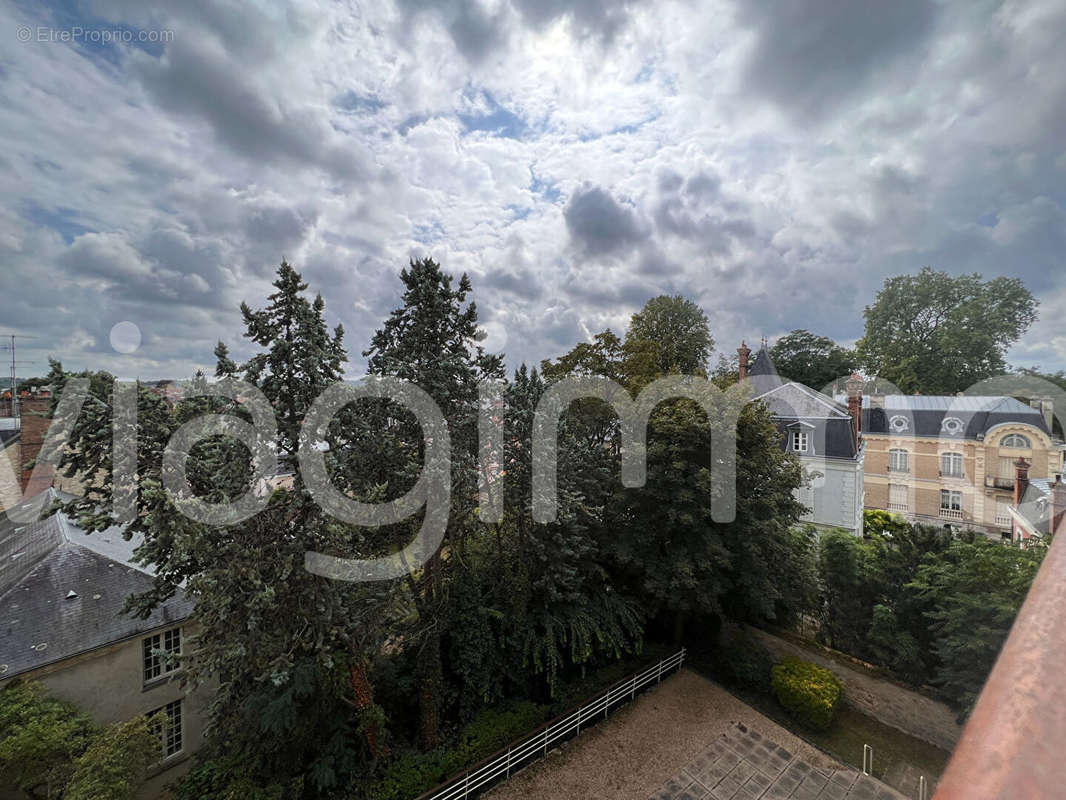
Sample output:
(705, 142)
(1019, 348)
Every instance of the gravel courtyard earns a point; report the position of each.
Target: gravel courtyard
(634, 753)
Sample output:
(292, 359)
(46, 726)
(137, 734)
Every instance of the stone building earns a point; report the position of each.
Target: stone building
(62, 623)
(822, 433)
(951, 460)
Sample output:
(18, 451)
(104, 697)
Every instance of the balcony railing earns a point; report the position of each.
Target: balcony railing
(898, 469)
(951, 513)
(994, 482)
(1003, 521)
(1012, 745)
(898, 507)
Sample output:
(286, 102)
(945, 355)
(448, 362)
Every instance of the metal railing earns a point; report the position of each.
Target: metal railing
(1012, 744)
(535, 745)
(995, 482)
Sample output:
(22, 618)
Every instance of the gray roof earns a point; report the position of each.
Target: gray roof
(831, 432)
(796, 400)
(961, 403)
(62, 592)
(1035, 505)
(960, 417)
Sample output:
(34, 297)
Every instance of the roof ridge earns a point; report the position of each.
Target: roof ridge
(818, 397)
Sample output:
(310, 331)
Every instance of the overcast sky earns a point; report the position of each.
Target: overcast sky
(773, 161)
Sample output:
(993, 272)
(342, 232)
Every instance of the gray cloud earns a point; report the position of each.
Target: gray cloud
(573, 159)
(810, 56)
(598, 224)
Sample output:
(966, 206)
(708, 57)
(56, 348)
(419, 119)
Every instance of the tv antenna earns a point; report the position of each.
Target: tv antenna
(9, 345)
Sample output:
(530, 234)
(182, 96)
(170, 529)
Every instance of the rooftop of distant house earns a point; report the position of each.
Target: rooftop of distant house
(62, 589)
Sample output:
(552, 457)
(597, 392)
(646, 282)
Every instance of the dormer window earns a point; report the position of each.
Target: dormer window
(952, 426)
(899, 424)
(799, 441)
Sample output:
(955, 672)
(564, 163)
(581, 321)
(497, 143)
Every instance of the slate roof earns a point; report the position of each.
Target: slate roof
(933, 416)
(827, 422)
(41, 564)
(1035, 506)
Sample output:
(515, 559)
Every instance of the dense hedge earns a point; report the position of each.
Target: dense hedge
(745, 662)
(415, 773)
(809, 692)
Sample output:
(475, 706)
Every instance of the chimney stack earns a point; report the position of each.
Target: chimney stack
(743, 356)
(854, 387)
(1058, 506)
(1021, 480)
(1046, 406)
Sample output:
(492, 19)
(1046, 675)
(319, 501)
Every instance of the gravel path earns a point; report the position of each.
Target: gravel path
(637, 750)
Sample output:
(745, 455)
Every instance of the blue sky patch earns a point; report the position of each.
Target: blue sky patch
(59, 219)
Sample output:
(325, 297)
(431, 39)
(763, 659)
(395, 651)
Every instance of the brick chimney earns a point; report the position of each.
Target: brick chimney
(743, 359)
(1021, 480)
(1058, 506)
(854, 387)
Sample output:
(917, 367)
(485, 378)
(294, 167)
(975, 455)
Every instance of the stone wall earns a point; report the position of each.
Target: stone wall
(889, 703)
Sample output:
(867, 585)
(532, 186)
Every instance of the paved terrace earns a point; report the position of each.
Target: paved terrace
(744, 765)
(664, 734)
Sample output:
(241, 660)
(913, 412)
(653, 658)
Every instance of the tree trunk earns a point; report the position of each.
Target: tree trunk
(430, 680)
(364, 699)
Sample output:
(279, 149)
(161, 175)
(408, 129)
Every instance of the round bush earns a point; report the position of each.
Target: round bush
(810, 693)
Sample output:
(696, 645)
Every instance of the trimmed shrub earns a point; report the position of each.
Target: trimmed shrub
(808, 692)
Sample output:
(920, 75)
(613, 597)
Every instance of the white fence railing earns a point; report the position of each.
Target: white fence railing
(537, 744)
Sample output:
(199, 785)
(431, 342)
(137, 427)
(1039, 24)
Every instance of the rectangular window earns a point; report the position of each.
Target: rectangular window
(169, 730)
(1006, 468)
(897, 498)
(799, 441)
(160, 653)
(899, 460)
(950, 500)
(951, 465)
(1003, 518)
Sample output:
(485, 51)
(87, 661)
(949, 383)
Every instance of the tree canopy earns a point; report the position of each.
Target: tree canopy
(938, 334)
(814, 361)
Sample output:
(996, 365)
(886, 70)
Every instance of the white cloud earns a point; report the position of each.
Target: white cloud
(775, 183)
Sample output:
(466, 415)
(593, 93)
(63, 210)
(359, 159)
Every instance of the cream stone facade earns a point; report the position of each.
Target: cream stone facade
(957, 480)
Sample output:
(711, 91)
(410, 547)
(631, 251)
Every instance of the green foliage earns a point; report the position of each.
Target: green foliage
(930, 608)
(50, 749)
(415, 773)
(745, 661)
(849, 595)
(114, 763)
(278, 639)
(973, 594)
(40, 738)
(224, 778)
(938, 334)
(810, 693)
(672, 334)
(814, 361)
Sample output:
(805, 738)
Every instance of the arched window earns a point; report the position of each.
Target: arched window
(1016, 440)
